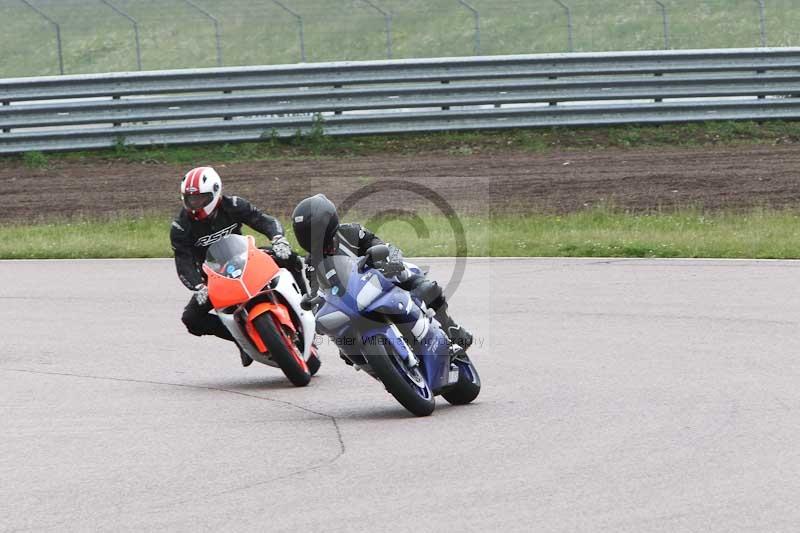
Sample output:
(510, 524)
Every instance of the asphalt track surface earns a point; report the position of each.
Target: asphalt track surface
(619, 395)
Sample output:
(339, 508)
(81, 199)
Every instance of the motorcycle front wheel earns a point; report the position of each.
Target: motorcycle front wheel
(407, 385)
(282, 350)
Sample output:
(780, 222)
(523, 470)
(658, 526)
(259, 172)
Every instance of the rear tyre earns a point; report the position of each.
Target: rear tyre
(282, 350)
(468, 385)
(407, 385)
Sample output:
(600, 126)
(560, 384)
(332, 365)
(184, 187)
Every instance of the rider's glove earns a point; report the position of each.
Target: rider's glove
(201, 294)
(281, 247)
(393, 265)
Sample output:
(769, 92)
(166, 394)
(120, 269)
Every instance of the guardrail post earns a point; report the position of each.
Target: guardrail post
(116, 124)
(6, 130)
(58, 33)
(337, 87)
(762, 16)
(215, 21)
(135, 30)
(658, 75)
(477, 17)
(665, 22)
(227, 117)
(299, 20)
(387, 18)
(568, 12)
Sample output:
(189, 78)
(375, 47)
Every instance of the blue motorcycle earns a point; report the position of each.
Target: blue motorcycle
(385, 331)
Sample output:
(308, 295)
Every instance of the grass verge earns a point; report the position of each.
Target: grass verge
(451, 143)
(593, 233)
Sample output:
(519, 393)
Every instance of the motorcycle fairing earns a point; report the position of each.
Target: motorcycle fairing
(286, 288)
(396, 304)
(282, 296)
(239, 279)
(225, 291)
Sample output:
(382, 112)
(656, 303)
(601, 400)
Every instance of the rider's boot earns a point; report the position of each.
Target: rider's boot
(456, 352)
(457, 334)
(344, 358)
(222, 332)
(246, 359)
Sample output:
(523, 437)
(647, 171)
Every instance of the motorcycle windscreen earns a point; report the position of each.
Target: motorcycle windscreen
(228, 256)
(334, 273)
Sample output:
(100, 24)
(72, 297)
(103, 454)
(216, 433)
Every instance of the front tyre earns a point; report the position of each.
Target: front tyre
(468, 385)
(407, 385)
(282, 350)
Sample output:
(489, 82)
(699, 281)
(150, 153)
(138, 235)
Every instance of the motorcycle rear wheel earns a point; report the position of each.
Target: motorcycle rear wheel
(282, 350)
(398, 379)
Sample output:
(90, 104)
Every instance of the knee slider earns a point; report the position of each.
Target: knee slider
(191, 324)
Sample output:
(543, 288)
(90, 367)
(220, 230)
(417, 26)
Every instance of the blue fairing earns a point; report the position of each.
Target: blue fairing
(369, 295)
(434, 361)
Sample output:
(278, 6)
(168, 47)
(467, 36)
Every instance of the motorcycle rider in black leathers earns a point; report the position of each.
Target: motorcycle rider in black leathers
(316, 226)
(208, 216)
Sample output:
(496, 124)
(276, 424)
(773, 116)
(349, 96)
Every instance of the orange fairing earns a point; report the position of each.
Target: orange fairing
(253, 335)
(279, 311)
(259, 270)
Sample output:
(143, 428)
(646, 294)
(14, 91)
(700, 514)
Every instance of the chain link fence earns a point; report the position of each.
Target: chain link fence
(44, 37)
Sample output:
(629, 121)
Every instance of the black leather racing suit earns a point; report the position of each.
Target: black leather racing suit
(190, 241)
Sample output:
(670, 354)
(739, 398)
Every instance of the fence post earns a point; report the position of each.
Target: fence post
(477, 17)
(299, 28)
(762, 21)
(58, 33)
(387, 18)
(763, 29)
(135, 30)
(568, 12)
(665, 22)
(215, 21)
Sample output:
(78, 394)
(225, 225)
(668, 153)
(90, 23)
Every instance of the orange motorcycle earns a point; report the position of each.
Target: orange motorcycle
(259, 303)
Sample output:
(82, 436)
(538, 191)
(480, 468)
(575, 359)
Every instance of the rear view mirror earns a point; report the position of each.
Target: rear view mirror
(378, 253)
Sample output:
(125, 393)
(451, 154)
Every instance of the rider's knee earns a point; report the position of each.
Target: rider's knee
(190, 321)
(430, 292)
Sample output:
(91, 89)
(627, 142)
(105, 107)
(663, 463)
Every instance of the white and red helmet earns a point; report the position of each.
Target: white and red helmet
(201, 192)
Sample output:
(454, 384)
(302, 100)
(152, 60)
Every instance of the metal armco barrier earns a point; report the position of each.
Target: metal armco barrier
(404, 96)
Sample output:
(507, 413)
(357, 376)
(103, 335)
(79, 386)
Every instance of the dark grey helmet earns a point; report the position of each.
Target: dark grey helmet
(315, 222)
